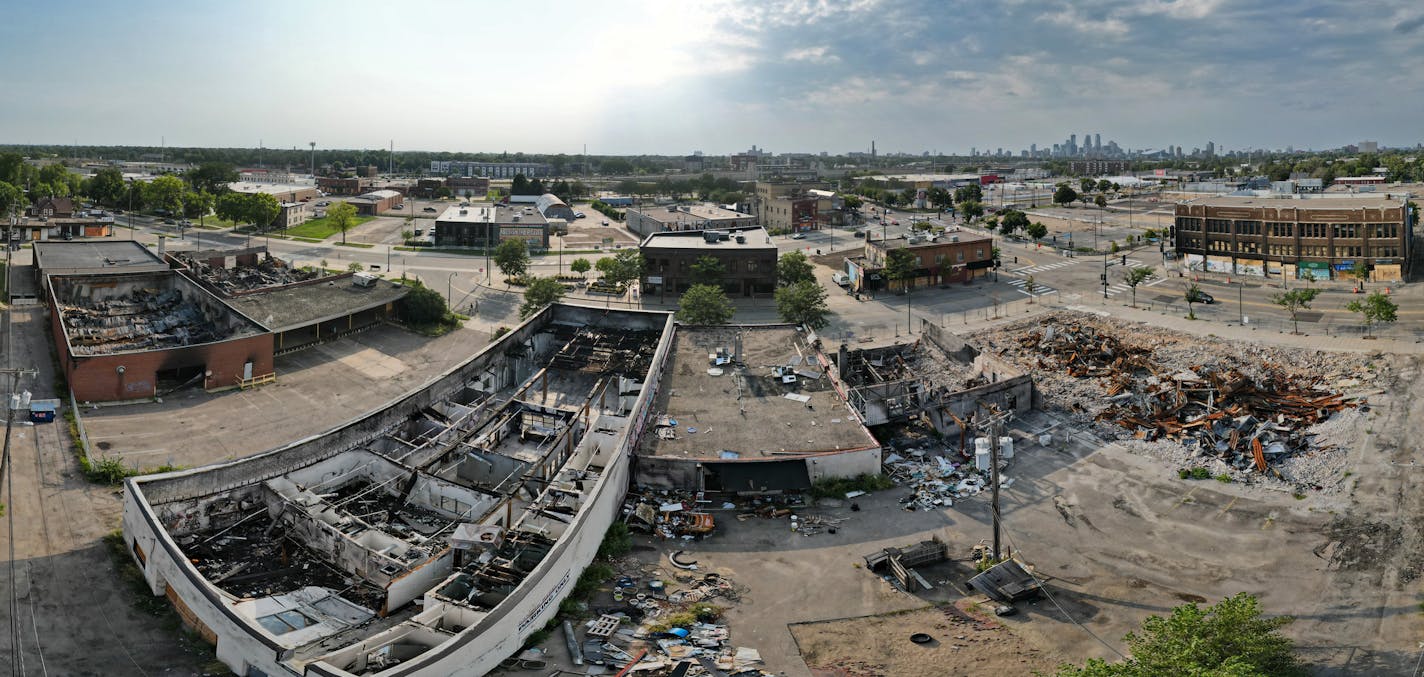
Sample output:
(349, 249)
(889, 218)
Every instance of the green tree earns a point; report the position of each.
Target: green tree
(262, 210)
(794, 267)
(971, 209)
(1104, 185)
(803, 302)
(707, 270)
(1136, 276)
(341, 216)
(1193, 293)
(520, 185)
(1295, 301)
(624, 267)
(900, 265)
(969, 193)
(941, 198)
(134, 196)
(212, 177)
(1100, 200)
(1375, 309)
(1036, 230)
(12, 200)
(541, 292)
(232, 207)
(107, 187)
(512, 257)
(704, 304)
(422, 305)
(852, 201)
(1064, 195)
(1227, 639)
(580, 265)
(1015, 220)
(165, 192)
(1087, 185)
(197, 205)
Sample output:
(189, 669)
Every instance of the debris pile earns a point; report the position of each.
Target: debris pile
(658, 632)
(1212, 406)
(269, 272)
(144, 320)
(935, 481)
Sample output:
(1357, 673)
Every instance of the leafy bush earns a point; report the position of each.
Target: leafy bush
(109, 470)
(616, 542)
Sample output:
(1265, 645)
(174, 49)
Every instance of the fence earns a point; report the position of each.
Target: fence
(1323, 319)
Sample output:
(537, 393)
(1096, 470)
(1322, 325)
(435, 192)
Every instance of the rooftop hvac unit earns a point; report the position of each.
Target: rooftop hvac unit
(464, 212)
(953, 238)
(741, 239)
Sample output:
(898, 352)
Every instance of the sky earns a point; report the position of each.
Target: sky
(677, 76)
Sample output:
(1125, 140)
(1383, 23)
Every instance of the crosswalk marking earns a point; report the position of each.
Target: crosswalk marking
(1043, 267)
(1038, 289)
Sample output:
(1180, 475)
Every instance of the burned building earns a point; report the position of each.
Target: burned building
(431, 536)
(131, 325)
(300, 307)
(132, 335)
(750, 409)
(938, 376)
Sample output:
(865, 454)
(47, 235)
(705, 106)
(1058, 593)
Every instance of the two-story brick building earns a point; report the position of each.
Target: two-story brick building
(954, 256)
(1296, 236)
(747, 255)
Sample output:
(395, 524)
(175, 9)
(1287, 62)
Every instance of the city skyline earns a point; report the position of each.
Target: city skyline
(635, 78)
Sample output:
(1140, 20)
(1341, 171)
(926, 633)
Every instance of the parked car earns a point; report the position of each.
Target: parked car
(799, 236)
(1202, 297)
(419, 232)
(428, 209)
(605, 222)
(398, 207)
(841, 279)
(579, 215)
(323, 203)
(170, 222)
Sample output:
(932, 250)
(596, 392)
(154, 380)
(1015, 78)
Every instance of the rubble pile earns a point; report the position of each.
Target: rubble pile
(935, 481)
(269, 272)
(657, 632)
(1249, 410)
(143, 320)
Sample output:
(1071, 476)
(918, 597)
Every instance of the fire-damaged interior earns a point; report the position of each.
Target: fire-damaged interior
(381, 551)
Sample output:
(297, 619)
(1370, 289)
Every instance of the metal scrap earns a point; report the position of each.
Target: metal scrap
(1215, 410)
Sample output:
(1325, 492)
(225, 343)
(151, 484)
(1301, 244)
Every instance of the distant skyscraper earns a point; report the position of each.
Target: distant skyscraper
(1210, 148)
(1098, 142)
(872, 149)
(1033, 149)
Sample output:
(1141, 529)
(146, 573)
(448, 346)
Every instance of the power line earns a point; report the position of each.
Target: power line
(1050, 597)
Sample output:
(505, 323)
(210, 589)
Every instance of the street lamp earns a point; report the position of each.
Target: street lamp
(450, 289)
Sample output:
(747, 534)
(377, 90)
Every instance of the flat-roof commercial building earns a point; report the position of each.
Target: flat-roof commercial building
(468, 186)
(284, 192)
(486, 225)
(376, 202)
(953, 256)
(431, 536)
(747, 255)
(494, 170)
(648, 220)
(782, 429)
(1296, 236)
(337, 185)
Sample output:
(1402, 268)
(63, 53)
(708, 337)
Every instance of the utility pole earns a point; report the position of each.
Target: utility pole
(994, 425)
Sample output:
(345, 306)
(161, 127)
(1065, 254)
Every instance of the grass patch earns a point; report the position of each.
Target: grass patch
(1298, 496)
(361, 245)
(322, 228)
(157, 606)
(838, 487)
(616, 542)
(307, 240)
(1224, 478)
(700, 612)
(1197, 473)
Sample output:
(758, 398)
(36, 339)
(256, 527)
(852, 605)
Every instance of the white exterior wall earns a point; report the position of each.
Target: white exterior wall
(844, 464)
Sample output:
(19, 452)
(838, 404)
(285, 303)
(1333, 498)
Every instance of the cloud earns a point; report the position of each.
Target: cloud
(818, 54)
(1408, 26)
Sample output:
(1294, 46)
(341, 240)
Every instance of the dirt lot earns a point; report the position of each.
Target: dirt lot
(964, 641)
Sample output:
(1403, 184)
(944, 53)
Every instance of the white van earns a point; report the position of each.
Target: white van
(841, 279)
